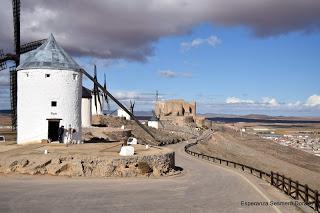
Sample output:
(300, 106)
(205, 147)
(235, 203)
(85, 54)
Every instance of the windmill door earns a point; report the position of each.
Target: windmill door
(53, 130)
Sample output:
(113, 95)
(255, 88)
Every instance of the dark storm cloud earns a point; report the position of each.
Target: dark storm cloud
(127, 29)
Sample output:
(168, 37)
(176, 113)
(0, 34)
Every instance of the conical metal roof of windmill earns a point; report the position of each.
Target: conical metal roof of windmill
(48, 56)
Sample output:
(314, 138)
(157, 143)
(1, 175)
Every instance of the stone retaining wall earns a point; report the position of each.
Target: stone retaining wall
(91, 166)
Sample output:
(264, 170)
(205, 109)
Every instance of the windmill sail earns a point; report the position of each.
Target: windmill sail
(96, 94)
(15, 57)
(105, 96)
(132, 106)
(16, 26)
(117, 102)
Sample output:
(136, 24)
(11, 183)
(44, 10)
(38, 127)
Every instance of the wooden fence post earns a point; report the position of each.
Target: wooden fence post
(297, 190)
(260, 174)
(242, 168)
(227, 163)
(316, 201)
(277, 180)
(289, 187)
(271, 181)
(306, 193)
(283, 183)
(234, 165)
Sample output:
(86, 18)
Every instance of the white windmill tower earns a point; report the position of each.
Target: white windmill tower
(86, 107)
(49, 94)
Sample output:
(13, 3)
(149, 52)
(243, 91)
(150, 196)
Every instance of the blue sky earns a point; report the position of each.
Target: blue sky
(282, 67)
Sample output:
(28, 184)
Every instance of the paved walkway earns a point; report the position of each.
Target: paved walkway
(203, 187)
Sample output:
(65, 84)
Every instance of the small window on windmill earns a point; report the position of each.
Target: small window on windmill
(75, 76)
(53, 103)
(27, 74)
(47, 75)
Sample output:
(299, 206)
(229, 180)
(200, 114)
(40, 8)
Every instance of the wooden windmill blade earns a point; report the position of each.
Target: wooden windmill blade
(31, 46)
(95, 87)
(105, 96)
(95, 82)
(13, 72)
(23, 49)
(16, 58)
(3, 60)
(131, 106)
(96, 91)
(16, 27)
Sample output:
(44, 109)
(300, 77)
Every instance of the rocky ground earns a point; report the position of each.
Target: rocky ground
(263, 154)
(89, 160)
(163, 136)
(5, 130)
(104, 134)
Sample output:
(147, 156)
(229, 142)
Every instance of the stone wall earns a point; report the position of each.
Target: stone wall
(158, 164)
(175, 108)
(178, 120)
(203, 122)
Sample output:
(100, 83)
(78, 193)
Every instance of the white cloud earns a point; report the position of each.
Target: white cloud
(167, 73)
(212, 41)
(295, 104)
(266, 101)
(270, 101)
(174, 74)
(144, 101)
(126, 95)
(234, 100)
(313, 101)
(133, 95)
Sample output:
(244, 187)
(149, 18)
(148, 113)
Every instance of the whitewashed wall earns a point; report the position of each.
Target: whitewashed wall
(86, 113)
(122, 113)
(35, 93)
(153, 124)
(99, 110)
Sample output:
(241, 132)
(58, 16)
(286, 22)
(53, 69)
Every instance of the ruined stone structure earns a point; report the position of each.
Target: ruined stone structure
(175, 108)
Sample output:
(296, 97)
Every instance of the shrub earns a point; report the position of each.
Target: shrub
(144, 167)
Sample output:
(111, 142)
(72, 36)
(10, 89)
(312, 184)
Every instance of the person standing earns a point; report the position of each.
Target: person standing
(69, 134)
(60, 134)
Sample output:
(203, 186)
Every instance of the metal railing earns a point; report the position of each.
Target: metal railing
(291, 188)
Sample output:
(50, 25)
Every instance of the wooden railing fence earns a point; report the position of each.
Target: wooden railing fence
(292, 188)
